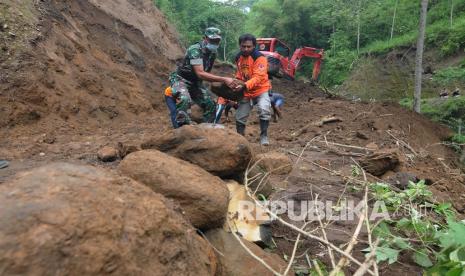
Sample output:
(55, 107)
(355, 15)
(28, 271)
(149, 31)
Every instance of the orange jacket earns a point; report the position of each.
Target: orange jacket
(253, 70)
(224, 101)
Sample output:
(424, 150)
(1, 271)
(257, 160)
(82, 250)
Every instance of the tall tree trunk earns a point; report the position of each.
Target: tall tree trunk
(419, 56)
(334, 39)
(224, 47)
(394, 19)
(451, 12)
(358, 31)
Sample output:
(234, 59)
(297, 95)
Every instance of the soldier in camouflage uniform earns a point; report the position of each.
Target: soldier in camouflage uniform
(186, 83)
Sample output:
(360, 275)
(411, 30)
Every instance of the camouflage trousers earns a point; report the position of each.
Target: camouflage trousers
(188, 93)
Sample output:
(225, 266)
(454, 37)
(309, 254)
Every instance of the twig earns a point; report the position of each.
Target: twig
(293, 253)
(331, 150)
(301, 154)
(214, 248)
(346, 146)
(370, 260)
(330, 251)
(317, 268)
(329, 170)
(403, 143)
(308, 260)
(350, 246)
(295, 228)
(367, 221)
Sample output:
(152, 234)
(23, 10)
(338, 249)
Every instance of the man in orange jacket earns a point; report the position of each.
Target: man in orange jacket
(252, 69)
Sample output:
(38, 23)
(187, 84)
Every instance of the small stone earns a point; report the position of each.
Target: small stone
(42, 154)
(361, 135)
(49, 139)
(125, 149)
(107, 154)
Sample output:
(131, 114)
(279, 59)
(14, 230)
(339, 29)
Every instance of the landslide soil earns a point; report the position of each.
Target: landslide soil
(80, 75)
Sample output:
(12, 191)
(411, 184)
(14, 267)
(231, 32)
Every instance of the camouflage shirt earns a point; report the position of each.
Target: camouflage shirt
(196, 55)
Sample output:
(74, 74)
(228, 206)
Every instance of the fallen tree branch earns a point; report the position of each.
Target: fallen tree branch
(403, 143)
(295, 228)
(346, 146)
(321, 122)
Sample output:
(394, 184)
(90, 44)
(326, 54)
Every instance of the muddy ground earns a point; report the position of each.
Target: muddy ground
(75, 88)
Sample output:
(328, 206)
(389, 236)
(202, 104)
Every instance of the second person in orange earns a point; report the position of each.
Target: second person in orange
(252, 69)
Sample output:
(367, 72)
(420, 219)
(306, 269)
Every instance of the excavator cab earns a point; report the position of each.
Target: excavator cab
(277, 54)
(282, 64)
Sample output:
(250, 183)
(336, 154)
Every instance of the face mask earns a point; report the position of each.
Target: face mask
(212, 47)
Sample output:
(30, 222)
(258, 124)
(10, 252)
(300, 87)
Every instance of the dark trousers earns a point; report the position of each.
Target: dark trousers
(171, 103)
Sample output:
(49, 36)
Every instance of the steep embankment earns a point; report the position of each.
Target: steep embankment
(85, 62)
(391, 76)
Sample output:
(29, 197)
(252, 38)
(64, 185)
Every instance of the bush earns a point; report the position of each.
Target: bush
(458, 138)
(336, 68)
(450, 112)
(450, 76)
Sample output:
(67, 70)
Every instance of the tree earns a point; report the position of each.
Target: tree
(451, 12)
(394, 19)
(419, 56)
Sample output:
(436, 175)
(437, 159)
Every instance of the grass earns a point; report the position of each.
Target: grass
(450, 112)
(438, 34)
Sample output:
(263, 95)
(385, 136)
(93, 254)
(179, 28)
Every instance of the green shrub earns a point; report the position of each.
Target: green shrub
(458, 138)
(449, 76)
(336, 68)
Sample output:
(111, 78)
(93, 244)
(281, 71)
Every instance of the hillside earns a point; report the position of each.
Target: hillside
(89, 63)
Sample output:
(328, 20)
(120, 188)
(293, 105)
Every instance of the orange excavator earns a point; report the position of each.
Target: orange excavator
(278, 54)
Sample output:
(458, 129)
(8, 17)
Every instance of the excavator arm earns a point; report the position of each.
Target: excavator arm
(310, 52)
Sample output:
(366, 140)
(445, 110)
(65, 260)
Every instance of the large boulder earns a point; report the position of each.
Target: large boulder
(221, 152)
(66, 219)
(202, 196)
(236, 261)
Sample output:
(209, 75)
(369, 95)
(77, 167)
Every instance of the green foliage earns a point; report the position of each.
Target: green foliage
(449, 111)
(438, 247)
(333, 25)
(450, 76)
(458, 138)
(336, 68)
(192, 17)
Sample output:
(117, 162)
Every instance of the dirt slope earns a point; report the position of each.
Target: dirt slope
(89, 62)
